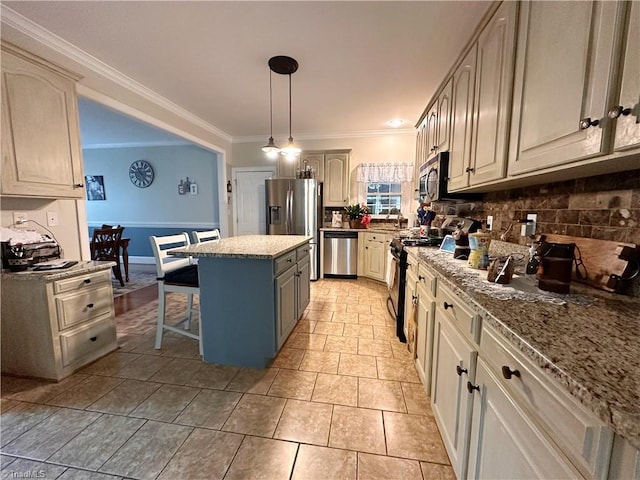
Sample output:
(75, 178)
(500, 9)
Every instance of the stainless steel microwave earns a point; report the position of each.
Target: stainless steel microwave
(434, 179)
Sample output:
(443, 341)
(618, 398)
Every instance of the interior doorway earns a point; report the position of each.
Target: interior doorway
(249, 206)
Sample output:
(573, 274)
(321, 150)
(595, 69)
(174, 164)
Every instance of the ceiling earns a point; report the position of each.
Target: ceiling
(361, 63)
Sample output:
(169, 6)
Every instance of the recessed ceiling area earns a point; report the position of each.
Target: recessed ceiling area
(361, 63)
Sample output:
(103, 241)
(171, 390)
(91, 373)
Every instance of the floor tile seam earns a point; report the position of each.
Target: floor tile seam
(34, 425)
(175, 417)
(88, 408)
(193, 429)
(65, 443)
(97, 470)
(107, 392)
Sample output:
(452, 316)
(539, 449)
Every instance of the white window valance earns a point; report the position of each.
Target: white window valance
(384, 172)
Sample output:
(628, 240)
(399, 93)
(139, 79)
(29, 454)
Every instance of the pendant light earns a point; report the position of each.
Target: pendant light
(284, 65)
(271, 149)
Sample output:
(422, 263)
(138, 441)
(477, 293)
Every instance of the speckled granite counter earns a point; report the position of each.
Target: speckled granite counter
(589, 340)
(373, 229)
(53, 275)
(246, 246)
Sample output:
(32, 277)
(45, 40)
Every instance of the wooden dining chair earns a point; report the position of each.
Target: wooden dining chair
(105, 246)
(175, 274)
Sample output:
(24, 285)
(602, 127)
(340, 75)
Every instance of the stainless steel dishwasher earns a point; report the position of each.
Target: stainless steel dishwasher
(340, 253)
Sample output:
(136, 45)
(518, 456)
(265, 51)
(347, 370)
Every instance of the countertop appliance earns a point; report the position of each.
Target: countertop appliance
(340, 251)
(434, 179)
(21, 256)
(294, 207)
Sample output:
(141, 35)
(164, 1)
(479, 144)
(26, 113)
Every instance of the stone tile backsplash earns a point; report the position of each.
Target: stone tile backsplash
(604, 207)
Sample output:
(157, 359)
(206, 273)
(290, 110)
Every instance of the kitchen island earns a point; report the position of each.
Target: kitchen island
(253, 290)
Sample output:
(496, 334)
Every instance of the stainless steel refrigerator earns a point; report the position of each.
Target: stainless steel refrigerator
(294, 207)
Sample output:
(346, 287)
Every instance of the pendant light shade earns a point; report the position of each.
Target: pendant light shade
(271, 149)
(282, 65)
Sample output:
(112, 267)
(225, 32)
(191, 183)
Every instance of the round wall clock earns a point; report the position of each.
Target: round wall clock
(141, 173)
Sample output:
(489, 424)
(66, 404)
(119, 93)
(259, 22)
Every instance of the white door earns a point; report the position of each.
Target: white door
(249, 205)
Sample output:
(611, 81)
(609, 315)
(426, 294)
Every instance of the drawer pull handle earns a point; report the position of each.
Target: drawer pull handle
(448, 305)
(89, 305)
(587, 122)
(507, 372)
(289, 260)
(421, 278)
(87, 280)
(471, 387)
(93, 339)
(460, 370)
(618, 110)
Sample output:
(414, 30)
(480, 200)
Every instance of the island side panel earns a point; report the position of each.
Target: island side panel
(237, 308)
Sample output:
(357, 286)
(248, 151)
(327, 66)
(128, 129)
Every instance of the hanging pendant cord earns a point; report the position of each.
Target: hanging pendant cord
(290, 137)
(270, 105)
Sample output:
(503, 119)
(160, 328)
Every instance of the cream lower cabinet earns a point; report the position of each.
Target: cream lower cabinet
(52, 328)
(505, 443)
(39, 102)
(374, 260)
(425, 291)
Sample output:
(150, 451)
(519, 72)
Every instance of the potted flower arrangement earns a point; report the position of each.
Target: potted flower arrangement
(358, 215)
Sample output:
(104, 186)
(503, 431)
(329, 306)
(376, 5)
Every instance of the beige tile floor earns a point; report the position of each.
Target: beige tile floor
(342, 400)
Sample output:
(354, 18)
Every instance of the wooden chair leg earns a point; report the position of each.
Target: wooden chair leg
(118, 274)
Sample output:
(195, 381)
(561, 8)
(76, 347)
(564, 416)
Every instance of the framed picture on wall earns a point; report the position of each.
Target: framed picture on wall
(95, 187)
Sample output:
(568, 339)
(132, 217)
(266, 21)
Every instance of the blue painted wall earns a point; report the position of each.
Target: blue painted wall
(158, 209)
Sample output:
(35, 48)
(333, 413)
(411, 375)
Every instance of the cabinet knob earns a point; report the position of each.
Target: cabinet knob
(587, 122)
(87, 280)
(469, 170)
(289, 260)
(93, 339)
(471, 387)
(421, 278)
(448, 305)
(460, 370)
(78, 185)
(618, 110)
(507, 372)
(89, 305)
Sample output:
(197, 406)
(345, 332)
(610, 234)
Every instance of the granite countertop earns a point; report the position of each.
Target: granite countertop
(80, 268)
(381, 229)
(245, 246)
(588, 340)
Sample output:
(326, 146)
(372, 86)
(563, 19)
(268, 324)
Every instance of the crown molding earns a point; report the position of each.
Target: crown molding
(100, 146)
(329, 136)
(13, 19)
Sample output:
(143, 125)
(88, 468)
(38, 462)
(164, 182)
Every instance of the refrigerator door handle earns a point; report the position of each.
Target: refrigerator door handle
(289, 211)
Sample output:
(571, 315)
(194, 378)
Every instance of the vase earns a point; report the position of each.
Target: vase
(355, 224)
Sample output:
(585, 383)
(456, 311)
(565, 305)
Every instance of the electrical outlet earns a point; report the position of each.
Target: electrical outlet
(490, 222)
(52, 219)
(529, 228)
(19, 217)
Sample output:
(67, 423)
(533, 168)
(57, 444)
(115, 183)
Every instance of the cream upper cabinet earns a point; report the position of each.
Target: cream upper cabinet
(336, 179)
(626, 113)
(462, 121)
(493, 96)
(431, 131)
(444, 119)
(286, 168)
(562, 78)
(41, 154)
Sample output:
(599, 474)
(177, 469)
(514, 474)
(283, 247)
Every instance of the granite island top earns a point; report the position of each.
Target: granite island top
(244, 246)
(81, 268)
(588, 340)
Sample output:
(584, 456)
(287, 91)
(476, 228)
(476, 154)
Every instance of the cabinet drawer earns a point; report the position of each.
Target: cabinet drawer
(82, 282)
(584, 438)
(427, 279)
(284, 262)
(85, 305)
(302, 252)
(412, 264)
(453, 308)
(86, 341)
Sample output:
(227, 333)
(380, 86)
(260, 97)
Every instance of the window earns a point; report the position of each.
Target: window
(384, 198)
